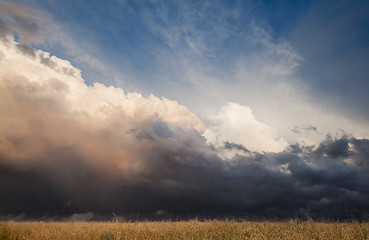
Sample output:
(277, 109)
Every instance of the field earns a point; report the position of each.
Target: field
(293, 229)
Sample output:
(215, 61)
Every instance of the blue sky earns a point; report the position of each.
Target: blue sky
(150, 46)
(276, 87)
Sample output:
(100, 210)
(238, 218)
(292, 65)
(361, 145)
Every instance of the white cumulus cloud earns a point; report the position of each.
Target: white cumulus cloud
(45, 104)
(236, 123)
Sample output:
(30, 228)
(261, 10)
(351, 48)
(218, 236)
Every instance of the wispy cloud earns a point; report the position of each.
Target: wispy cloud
(28, 24)
(220, 53)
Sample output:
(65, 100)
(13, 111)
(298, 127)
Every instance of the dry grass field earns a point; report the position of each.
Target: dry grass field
(293, 229)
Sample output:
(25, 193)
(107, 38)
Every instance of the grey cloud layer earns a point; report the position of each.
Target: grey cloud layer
(67, 148)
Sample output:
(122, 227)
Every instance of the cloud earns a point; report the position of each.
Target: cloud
(29, 25)
(71, 151)
(52, 120)
(236, 123)
(225, 52)
(239, 147)
(215, 53)
(32, 27)
(48, 87)
(304, 129)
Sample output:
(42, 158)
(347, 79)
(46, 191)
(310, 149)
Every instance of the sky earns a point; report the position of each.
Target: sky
(179, 109)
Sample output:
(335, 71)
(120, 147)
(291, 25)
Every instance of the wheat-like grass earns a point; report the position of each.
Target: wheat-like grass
(184, 230)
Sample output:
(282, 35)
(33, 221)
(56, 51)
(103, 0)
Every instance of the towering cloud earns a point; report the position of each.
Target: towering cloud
(46, 104)
(50, 119)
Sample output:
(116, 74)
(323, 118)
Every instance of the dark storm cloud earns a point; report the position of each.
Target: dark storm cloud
(361, 152)
(183, 180)
(335, 149)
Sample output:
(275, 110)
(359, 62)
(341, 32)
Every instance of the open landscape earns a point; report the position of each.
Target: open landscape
(161, 119)
(194, 229)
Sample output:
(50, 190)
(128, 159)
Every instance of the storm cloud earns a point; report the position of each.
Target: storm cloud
(72, 151)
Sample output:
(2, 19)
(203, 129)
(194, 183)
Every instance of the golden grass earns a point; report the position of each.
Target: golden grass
(194, 229)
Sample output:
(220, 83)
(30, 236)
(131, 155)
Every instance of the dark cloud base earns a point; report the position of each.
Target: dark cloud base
(329, 182)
